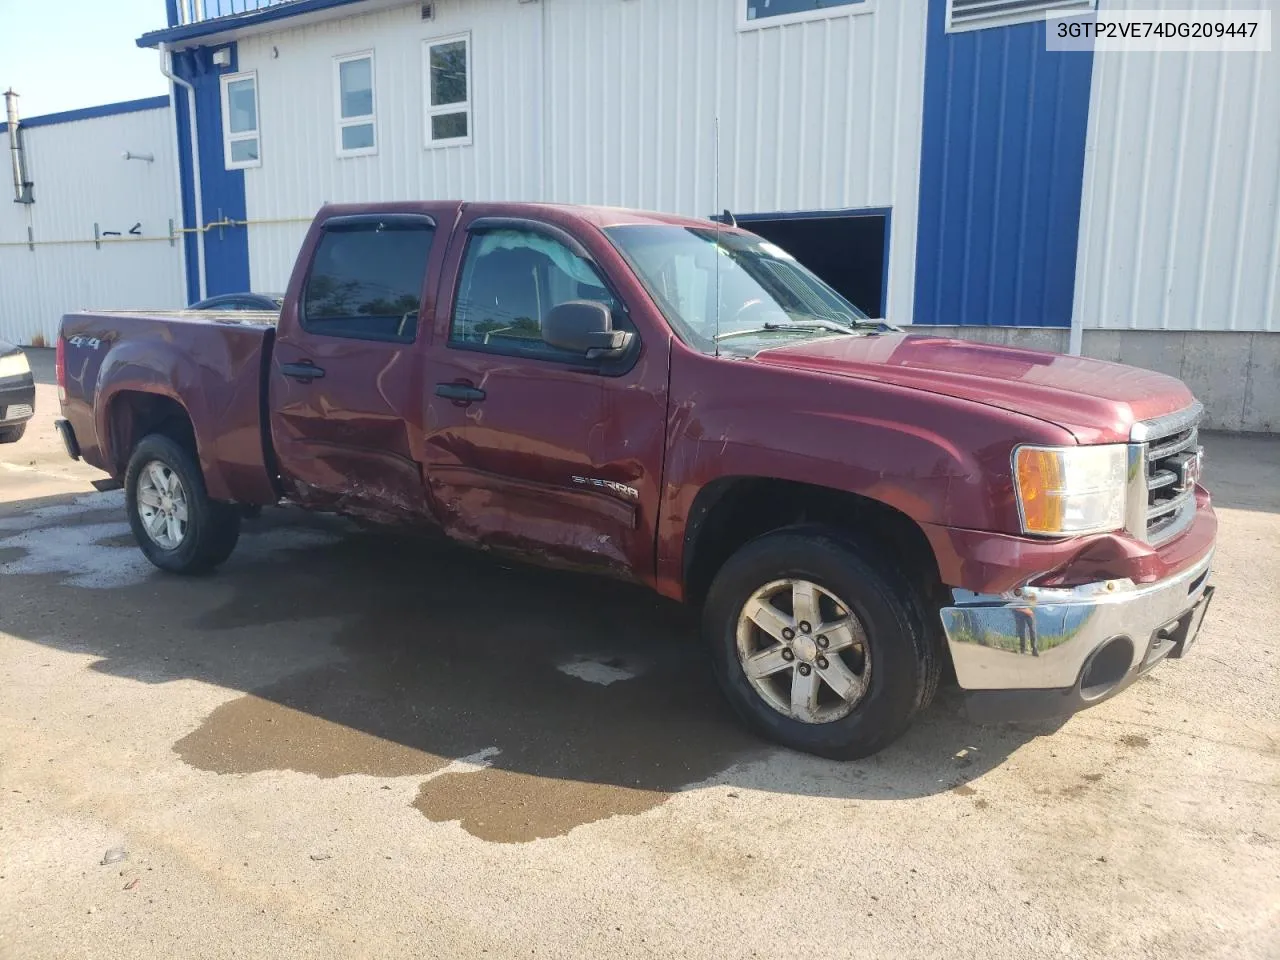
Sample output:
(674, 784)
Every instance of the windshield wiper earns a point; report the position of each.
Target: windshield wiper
(860, 324)
(807, 327)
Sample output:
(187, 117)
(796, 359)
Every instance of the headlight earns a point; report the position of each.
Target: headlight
(14, 364)
(1069, 490)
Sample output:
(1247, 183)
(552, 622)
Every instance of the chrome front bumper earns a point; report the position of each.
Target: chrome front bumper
(1076, 645)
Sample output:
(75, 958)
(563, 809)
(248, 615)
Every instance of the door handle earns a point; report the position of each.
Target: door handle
(306, 372)
(459, 392)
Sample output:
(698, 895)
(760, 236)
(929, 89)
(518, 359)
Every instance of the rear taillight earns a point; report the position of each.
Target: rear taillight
(60, 367)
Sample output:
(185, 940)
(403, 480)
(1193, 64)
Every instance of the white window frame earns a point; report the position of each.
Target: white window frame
(430, 142)
(228, 137)
(341, 122)
(1080, 7)
(805, 16)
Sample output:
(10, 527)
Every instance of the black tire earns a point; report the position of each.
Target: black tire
(904, 655)
(12, 434)
(212, 528)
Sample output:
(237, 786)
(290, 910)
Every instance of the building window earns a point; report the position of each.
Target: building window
(980, 14)
(446, 66)
(240, 140)
(753, 14)
(357, 122)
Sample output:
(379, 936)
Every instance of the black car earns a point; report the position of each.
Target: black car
(17, 393)
(241, 301)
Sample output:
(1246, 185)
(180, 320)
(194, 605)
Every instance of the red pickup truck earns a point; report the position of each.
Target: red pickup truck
(682, 404)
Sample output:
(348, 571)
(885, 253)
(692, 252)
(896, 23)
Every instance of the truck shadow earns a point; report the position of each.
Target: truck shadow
(527, 702)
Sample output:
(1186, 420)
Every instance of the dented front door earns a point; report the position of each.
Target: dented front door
(529, 449)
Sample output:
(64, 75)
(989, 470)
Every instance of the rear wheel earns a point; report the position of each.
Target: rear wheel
(177, 526)
(818, 647)
(12, 434)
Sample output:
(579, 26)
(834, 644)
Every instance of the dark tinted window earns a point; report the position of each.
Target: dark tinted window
(367, 278)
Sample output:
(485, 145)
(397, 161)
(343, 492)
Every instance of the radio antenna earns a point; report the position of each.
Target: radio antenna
(716, 160)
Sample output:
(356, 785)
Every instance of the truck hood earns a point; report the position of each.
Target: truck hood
(1096, 401)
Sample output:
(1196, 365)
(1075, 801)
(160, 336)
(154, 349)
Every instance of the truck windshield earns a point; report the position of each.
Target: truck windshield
(765, 294)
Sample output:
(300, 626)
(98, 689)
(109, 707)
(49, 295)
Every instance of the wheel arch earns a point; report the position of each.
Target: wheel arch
(731, 511)
(134, 414)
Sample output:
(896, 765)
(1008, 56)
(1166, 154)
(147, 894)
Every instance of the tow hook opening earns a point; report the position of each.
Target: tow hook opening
(1105, 668)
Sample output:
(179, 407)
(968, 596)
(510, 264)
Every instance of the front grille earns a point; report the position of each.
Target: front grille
(1173, 467)
(16, 411)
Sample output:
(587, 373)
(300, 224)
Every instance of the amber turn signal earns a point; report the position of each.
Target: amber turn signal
(1070, 490)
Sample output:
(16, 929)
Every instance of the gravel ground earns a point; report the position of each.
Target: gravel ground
(343, 744)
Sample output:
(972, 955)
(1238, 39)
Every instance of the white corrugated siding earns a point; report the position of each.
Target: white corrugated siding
(80, 179)
(616, 107)
(1180, 225)
(300, 169)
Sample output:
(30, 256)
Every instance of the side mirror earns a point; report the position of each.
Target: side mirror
(586, 327)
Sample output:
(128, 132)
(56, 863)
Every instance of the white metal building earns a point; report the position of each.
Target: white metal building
(101, 229)
(930, 158)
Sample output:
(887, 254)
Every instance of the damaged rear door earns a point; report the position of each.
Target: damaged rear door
(346, 373)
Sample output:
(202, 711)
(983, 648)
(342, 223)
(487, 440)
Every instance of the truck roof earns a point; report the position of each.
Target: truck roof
(599, 216)
(615, 216)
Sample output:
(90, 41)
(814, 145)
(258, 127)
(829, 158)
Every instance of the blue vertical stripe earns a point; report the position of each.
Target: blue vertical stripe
(1001, 175)
(226, 249)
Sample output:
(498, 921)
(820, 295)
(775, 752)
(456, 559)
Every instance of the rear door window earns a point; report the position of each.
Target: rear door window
(367, 278)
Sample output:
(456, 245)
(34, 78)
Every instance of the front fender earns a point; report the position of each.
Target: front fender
(937, 459)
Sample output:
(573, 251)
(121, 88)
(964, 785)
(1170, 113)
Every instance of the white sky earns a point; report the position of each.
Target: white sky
(66, 54)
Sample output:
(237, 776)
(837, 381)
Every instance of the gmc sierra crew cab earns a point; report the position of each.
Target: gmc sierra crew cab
(680, 403)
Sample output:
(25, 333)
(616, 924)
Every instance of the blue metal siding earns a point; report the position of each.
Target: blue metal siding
(1001, 172)
(226, 249)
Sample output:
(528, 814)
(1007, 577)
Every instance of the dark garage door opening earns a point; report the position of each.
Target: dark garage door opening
(847, 250)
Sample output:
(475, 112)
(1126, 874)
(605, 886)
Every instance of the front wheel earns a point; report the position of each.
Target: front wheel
(816, 646)
(177, 526)
(12, 434)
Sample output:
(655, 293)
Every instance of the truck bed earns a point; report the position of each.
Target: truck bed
(252, 318)
(212, 364)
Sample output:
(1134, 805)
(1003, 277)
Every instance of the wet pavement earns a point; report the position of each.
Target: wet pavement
(350, 743)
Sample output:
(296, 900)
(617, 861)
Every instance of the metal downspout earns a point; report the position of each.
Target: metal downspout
(17, 155)
(543, 80)
(166, 67)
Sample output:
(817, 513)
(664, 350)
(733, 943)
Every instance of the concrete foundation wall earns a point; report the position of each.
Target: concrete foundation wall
(1235, 375)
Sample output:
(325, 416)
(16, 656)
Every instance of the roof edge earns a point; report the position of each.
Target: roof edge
(221, 26)
(89, 113)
